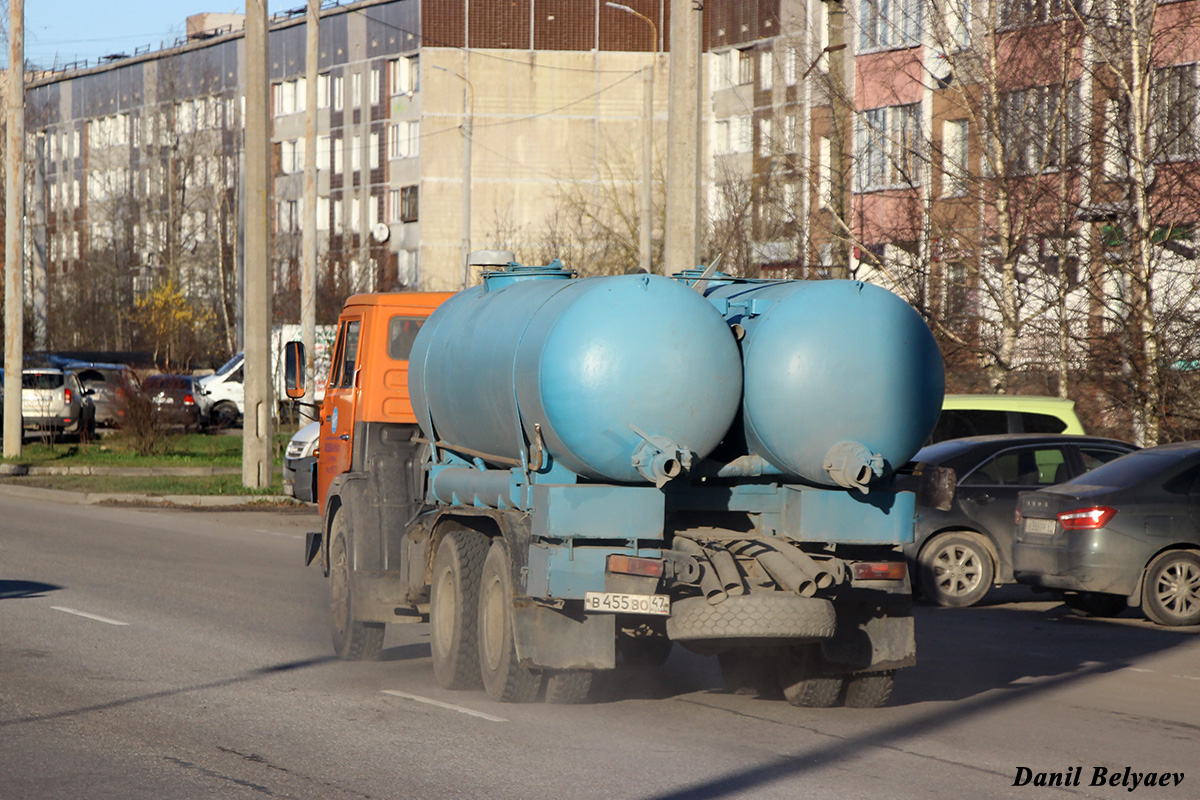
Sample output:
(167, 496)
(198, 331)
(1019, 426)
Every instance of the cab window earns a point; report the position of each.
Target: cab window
(402, 331)
(349, 354)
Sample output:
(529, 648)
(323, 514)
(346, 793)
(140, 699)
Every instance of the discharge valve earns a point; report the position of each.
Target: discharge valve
(852, 465)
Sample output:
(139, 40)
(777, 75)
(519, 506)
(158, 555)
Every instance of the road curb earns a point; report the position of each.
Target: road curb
(17, 470)
(166, 500)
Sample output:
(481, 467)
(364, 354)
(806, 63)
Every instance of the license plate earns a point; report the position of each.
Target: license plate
(1041, 527)
(617, 603)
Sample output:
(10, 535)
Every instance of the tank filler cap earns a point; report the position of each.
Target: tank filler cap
(491, 258)
(852, 465)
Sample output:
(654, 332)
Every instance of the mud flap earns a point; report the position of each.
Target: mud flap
(550, 638)
(875, 632)
(312, 546)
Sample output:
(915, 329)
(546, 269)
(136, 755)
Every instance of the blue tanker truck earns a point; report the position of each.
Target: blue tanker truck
(604, 467)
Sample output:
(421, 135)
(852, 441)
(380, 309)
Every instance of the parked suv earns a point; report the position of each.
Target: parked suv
(179, 400)
(55, 400)
(989, 414)
(111, 384)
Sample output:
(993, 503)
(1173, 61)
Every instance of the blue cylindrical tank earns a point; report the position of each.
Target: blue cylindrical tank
(840, 377)
(616, 371)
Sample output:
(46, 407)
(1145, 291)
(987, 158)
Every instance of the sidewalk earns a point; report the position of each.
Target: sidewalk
(112, 498)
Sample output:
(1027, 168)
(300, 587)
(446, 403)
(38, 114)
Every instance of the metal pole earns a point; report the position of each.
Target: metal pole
(14, 229)
(256, 425)
(683, 139)
(646, 228)
(469, 113)
(308, 241)
(646, 224)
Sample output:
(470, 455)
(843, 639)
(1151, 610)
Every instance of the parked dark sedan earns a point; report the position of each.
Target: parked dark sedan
(958, 554)
(178, 400)
(1127, 534)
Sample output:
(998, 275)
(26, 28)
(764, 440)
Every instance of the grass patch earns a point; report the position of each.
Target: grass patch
(150, 485)
(117, 450)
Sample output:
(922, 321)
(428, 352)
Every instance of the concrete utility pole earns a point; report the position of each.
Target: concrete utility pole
(14, 229)
(468, 117)
(256, 423)
(683, 139)
(308, 241)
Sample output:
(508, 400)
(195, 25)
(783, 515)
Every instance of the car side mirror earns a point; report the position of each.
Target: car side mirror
(293, 370)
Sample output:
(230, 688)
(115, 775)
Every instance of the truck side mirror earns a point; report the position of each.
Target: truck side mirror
(293, 370)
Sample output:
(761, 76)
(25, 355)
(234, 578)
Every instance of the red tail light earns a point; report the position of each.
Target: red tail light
(880, 570)
(188, 400)
(1086, 519)
(66, 397)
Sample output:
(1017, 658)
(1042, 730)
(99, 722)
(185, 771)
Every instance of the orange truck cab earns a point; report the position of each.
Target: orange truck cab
(368, 427)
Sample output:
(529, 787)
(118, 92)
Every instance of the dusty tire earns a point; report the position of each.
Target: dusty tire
(750, 671)
(803, 683)
(568, 687)
(1095, 604)
(870, 690)
(767, 615)
(956, 570)
(352, 640)
(454, 609)
(1171, 590)
(503, 678)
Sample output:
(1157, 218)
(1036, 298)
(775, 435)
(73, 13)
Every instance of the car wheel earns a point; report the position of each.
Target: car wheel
(504, 679)
(1171, 590)
(224, 415)
(955, 570)
(352, 639)
(454, 608)
(1095, 604)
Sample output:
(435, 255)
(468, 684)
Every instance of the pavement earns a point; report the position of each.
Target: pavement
(115, 498)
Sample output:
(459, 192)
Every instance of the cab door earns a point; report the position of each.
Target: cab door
(338, 411)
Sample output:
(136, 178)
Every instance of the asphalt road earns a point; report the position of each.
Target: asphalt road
(185, 654)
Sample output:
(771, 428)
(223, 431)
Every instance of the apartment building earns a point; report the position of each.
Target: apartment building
(138, 162)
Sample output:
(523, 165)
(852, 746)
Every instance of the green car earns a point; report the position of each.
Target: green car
(988, 414)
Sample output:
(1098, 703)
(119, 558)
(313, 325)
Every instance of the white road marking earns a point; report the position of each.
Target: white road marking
(89, 616)
(449, 706)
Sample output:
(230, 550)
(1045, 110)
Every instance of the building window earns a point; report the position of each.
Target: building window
(766, 68)
(355, 154)
(791, 66)
(355, 89)
(745, 66)
(886, 146)
(404, 138)
(322, 213)
(335, 84)
(889, 24)
(337, 216)
(721, 137)
(1014, 13)
(824, 173)
(1039, 128)
(408, 204)
(323, 90)
(376, 80)
(403, 74)
(954, 158)
(291, 155)
(744, 134)
(1174, 130)
(324, 143)
(337, 155)
(956, 14)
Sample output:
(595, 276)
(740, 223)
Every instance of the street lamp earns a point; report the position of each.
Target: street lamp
(646, 226)
(468, 115)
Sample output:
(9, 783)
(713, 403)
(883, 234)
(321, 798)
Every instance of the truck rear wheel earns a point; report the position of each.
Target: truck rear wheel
(454, 609)
(504, 679)
(353, 640)
(804, 684)
(870, 690)
(569, 686)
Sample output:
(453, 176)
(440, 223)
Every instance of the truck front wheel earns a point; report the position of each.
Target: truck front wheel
(504, 679)
(354, 640)
(454, 608)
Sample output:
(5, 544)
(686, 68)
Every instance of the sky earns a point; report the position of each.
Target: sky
(63, 31)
